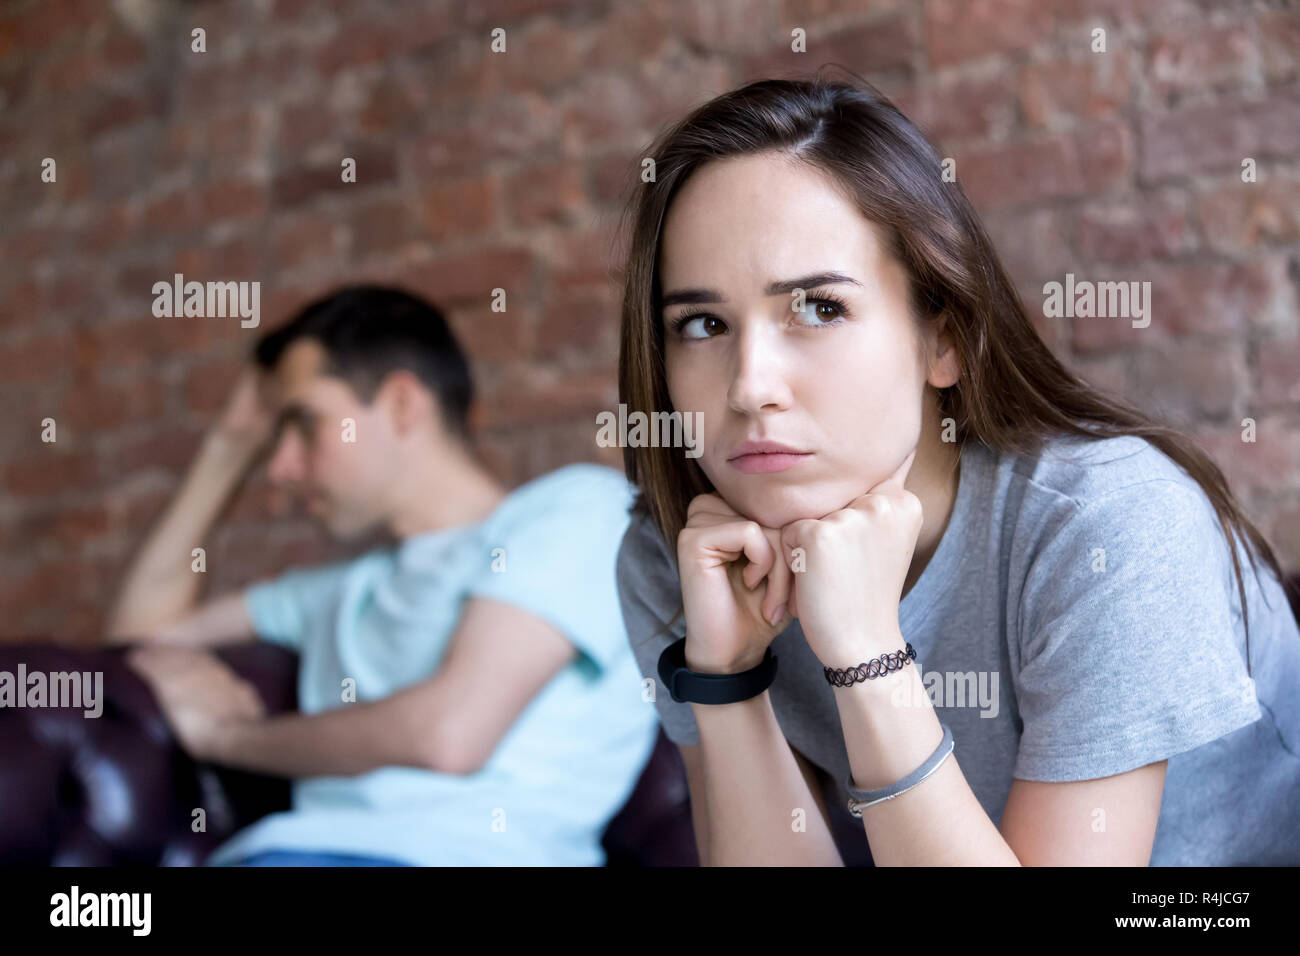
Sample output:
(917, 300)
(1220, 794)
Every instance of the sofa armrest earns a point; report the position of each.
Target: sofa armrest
(115, 788)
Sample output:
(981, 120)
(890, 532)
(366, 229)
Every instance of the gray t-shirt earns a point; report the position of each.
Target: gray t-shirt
(1079, 619)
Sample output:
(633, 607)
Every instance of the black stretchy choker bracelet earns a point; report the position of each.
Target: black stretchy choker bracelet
(869, 670)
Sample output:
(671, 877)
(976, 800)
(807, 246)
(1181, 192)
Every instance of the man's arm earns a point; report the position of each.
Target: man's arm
(223, 620)
(498, 659)
(160, 589)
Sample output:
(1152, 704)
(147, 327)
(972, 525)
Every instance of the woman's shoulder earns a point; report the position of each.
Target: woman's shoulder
(642, 540)
(1122, 495)
(1081, 471)
(644, 556)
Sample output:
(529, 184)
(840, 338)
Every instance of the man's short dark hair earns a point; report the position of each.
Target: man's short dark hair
(368, 331)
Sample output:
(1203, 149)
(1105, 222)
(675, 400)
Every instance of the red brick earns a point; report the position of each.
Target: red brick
(887, 46)
(1057, 91)
(1135, 228)
(962, 109)
(376, 166)
(307, 239)
(459, 208)
(1087, 14)
(1213, 58)
(50, 471)
(1285, 538)
(470, 277)
(1219, 137)
(1239, 216)
(1020, 172)
(957, 30)
(169, 448)
(492, 336)
(1214, 298)
(36, 359)
(1252, 466)
(152, 340)
(588, 256)
(548, 55)
(1105, 152)
(175, 212)
(381, 226)
(303, 126)
(1200, 299)
(1279, 374)
(68, 527)
(1279, 40)
(207, 386)
(91, 407)
(1189, 381)
(233, 199)
(546, 192)
(525, 397)
(1033, 246)
(635, 33)
(582, 321)
(502, 127)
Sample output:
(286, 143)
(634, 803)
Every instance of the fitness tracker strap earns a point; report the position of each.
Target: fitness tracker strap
(687, 686)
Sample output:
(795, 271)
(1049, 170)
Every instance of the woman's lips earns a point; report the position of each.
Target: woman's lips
(764, 463)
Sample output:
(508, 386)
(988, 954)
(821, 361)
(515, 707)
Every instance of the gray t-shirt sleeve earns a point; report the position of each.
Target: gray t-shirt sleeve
(650, 593)
(1128, 653)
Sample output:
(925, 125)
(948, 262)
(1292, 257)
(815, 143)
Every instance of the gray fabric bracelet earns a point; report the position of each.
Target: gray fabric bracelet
(858, 799)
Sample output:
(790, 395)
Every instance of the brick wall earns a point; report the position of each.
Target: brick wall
(477, 171)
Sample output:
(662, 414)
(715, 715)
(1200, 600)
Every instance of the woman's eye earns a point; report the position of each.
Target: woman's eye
(699, 326)
(821, 312)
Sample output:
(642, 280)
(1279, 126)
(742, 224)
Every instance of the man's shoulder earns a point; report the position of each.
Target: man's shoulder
(578, 489)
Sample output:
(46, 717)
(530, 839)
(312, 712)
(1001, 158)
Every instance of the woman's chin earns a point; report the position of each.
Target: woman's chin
(778, 509)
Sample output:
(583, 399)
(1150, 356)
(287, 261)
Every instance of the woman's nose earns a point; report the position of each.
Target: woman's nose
(758, 375)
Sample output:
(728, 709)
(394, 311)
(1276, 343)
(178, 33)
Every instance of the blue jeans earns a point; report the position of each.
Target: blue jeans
(311, 858)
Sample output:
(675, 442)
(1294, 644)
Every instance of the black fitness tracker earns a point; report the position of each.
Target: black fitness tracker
(687, 686)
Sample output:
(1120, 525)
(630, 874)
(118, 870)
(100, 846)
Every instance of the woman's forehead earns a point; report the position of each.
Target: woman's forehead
(762, 219)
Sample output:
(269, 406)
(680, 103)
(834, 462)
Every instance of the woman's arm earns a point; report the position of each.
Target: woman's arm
(939, 822)
(750, 784)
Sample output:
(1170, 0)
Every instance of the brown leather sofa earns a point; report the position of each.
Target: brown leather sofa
(117, 790)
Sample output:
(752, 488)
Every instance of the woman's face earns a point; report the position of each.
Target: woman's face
(844, 385)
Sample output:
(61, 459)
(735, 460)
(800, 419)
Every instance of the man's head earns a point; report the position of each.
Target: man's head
(366, 383)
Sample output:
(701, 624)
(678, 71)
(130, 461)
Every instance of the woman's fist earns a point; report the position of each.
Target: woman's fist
(730, 604)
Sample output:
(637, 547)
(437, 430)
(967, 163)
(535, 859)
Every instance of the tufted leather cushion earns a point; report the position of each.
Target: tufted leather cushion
(117, 790)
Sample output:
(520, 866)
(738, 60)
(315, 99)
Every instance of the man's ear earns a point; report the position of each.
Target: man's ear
(943, 361)
(408, 397)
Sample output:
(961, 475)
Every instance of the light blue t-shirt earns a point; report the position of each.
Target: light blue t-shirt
(567, 764)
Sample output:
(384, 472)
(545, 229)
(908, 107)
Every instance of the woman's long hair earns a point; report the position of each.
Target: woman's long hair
(1013, 392)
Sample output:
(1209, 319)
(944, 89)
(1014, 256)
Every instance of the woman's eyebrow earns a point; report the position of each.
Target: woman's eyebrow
(784, 287)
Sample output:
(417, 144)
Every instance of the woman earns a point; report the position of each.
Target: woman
(1007, 621)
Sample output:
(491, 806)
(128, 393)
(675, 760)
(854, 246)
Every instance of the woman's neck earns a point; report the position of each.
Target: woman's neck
(933, 478)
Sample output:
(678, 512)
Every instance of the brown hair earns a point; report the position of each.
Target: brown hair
(1013, 392)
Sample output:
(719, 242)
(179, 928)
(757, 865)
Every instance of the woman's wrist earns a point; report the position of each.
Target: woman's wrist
(732, 665)
(856, 646)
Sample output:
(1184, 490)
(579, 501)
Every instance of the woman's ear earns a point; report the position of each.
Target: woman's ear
(943, 362)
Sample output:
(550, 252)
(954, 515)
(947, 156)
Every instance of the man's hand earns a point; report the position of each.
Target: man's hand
(247, 418)
(203, 700)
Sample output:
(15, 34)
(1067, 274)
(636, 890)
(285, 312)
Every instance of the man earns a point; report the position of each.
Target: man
(467, 693)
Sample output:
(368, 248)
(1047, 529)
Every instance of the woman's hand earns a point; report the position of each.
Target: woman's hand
(854, 562)
(729, 604)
